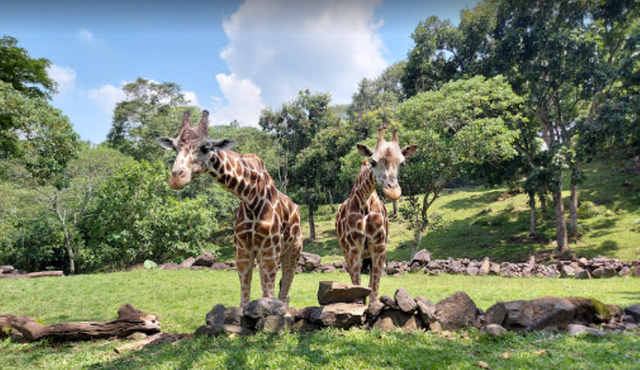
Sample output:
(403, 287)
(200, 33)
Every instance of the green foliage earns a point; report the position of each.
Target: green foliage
(588, 209)
(136, 216)
(26, 75)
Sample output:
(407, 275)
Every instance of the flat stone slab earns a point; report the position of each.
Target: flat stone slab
(335, 292)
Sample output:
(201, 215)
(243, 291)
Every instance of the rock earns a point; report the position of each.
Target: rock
(231, 263)
(334, 291)
(415, 267)
(220, 315)
(14, 275)
(567, 271)
(391, 320)
(309, 261)
(374, 309)
(582, 273)
(495, 269)
(627, 319)
(6, 269)
(45, 274)
(485, 267)
(472, 271)
(633, 311)
(388, 301)
(219, 266)
(636, 271)
(534, 315)
(341, 315)
(624, 271)
(394, 268)
(187, 263)
(404, 301)
(224, 329)
(206, 259)
(422, 257)
(577, 329)
(326, 269)
(592, 311)
(305, 313)
(493, 330)
(426, 309)
(456, 312)
(603, 272)
(263, 307)
(273, 324)
(169, 266)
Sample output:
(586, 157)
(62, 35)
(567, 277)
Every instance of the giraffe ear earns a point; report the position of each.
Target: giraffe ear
(408, 150)
(167, 143)
(224, 144)
(364, 150)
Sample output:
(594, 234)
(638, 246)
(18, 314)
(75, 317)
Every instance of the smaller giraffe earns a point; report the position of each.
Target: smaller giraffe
(361, 222)
(267, 225)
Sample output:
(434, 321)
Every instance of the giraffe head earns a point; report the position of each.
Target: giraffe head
(386, 160)
(194, 148)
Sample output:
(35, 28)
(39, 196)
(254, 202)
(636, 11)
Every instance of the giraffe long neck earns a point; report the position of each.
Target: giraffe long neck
(244, 177)
(364, 185)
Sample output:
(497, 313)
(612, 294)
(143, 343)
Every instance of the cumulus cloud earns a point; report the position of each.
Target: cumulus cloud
(106, 97)
(191, 97)
(243, 102)
(284, 46)
(85, 35)
(65, 77)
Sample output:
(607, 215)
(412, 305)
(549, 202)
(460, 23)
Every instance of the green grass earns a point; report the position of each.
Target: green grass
(182, 298)
(490, 223)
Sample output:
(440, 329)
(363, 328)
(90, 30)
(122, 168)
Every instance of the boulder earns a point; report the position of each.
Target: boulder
(604, 272)
(341, 315)
(426, 310)
(221, 315)
(206, 259)
(624, 271)
(334, 292)
(309, 261)
(633, 311)
(422, 257)
(273, 324)
(6, 269)
(169, 266)
(388, 301)
(534, 315)
(456, 312)
(263, 307)
(473, 271)
(485, 267)
(326, 269)
(494, 269)
(391, 320)
(577, 329)
(187, 263)
(218, 266)
(592, 311)
(404, 301)
(374, 310)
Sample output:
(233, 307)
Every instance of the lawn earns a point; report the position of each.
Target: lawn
(182, 298)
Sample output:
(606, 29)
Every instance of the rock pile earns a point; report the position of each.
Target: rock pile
(341, 307)
(8, 272)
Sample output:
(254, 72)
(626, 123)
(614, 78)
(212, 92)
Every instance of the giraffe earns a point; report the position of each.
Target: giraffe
(362, 224)
(268, 226)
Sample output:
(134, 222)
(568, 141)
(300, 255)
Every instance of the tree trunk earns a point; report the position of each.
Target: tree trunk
(532, 205)
(573, 208)
(543, 203)
(330, 196)
(72, 264)
(561, 222)
(395, 208)
(417, 237)
(312, 225)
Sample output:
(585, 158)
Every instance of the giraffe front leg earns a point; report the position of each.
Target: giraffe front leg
(354, 264)
(378, 257)
(268, 264)
(244, 264)
(289, 261)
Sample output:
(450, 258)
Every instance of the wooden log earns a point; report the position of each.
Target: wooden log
(45, 273)
(130, 320)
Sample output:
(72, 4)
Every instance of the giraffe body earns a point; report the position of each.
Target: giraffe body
(268, 225)
(362, 224)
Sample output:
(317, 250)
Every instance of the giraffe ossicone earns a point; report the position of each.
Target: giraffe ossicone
(362, 223)
(268, 224)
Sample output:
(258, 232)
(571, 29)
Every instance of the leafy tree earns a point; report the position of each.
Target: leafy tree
(464, 122)
(149, 111)
(384, 91)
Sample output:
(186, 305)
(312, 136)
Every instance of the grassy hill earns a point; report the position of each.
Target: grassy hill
(491, 223)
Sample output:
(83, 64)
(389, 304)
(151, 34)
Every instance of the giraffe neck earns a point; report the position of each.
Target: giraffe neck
(243, 177)
(364, 185)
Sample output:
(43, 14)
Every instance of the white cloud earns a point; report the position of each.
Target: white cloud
(243, 101)
(64, 76)
(85, 35)
(284, 46)
(106, 97)
(191, 97)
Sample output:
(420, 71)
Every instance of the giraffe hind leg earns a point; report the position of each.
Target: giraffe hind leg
(289, 263)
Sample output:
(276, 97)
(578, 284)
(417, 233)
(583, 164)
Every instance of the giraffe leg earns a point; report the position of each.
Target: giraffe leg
(378, 257)
(268, 263)
(289, 262)
(354, 264)
(244, 263)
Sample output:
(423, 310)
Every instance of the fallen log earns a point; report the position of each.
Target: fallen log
(45, 273)
(130, 320)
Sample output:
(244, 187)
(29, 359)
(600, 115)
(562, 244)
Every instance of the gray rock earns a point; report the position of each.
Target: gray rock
(456, 312)
(577, 329)
(391, 320)
(388, 301)
(187, 263)
(272, 324)
(494, 269)
(472, 271)
(206, 259)
(334, 292)
(326, 269)
(263, 307)
(534, 315)
(415, 267)
(341, 315)
(592, 311)
(309, 261)
(485, 267)
(219, 266)
(567, 271)
(493, 330)
(422, 257)
(404, 301)
(6, 269)
(374, 310)
(603, 272)
(221, 315)
(636, 271)
(169, 266)
(225, 329)
(633, 311)
(426, 309)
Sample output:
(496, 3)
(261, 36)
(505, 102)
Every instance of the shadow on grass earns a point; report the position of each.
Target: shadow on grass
(473, 201)
(604, 249)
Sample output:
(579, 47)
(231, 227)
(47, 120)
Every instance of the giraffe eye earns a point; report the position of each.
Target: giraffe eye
(205, 148)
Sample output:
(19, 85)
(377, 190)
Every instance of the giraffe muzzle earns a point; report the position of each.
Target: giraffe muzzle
(392, 192)
(179, 179)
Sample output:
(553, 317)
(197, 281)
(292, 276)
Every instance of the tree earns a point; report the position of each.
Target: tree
(149, 111)
(464, 122)
(382, 92)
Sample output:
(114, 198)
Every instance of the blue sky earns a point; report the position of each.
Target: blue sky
(231, 57)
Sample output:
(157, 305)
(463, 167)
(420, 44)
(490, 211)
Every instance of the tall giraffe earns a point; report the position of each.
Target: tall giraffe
(268, 226)
(361, 222)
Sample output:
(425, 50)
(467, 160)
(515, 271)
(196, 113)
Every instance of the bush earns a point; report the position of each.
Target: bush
(588, 209)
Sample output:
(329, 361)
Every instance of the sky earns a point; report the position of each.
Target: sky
(232, 57)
